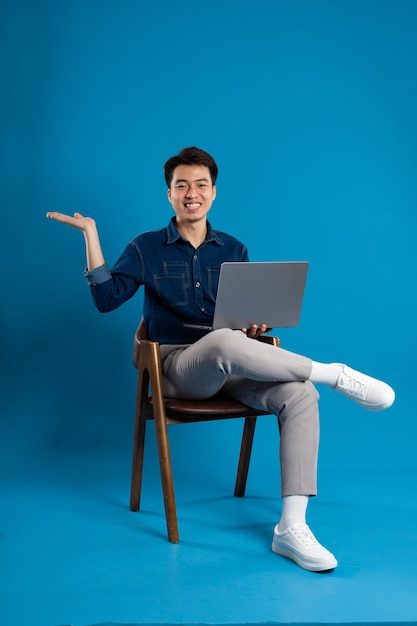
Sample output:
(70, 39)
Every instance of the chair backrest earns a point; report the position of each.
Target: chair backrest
(140, 335)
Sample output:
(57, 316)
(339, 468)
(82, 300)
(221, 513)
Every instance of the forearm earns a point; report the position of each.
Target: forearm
(94, 252)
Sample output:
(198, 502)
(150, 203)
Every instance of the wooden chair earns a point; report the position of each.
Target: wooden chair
(167, 411)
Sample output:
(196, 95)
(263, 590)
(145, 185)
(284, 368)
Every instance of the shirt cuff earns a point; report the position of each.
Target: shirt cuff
(98, 275)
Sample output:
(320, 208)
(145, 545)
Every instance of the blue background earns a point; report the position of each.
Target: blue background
(309, 106)
(310, 110)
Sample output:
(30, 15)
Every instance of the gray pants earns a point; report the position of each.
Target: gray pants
(263, 377)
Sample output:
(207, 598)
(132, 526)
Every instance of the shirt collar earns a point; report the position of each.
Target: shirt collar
(173, 235)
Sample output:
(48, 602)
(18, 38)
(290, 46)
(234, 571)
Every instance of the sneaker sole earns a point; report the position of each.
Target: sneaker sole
(311, 566)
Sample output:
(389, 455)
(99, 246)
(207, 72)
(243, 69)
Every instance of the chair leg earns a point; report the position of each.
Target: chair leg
(244, 457)
(161, 430)
(138, 442)
(137, 467)
(149, 361)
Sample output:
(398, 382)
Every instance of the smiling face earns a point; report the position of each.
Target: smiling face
(191, 193)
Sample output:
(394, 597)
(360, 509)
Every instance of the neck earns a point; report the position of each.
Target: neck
(194, 232)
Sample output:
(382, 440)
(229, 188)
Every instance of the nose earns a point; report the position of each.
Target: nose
(191, 192)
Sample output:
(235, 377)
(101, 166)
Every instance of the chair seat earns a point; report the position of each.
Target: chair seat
(196, 410)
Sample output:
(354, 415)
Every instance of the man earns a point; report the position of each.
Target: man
(179, 268)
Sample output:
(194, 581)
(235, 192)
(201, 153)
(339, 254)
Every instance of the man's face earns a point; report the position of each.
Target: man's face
(191, 193)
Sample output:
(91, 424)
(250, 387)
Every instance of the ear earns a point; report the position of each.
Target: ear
(169, 195)
(214, 192)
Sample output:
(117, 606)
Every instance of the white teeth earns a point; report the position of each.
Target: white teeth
(192, 206)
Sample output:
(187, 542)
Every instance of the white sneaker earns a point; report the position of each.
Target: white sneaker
(299, 544)
(369, 392)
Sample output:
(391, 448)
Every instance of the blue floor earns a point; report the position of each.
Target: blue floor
(73, 553)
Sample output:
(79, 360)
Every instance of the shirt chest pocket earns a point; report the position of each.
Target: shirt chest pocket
(172, 286)
(213, 274)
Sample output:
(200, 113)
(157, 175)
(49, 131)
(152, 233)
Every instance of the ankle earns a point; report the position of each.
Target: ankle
(325, 373)
(294, 510)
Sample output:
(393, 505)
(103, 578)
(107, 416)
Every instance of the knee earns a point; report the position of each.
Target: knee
(223, 340)
(224, 334)
(298, 418)
(221, 347)
(301, 395)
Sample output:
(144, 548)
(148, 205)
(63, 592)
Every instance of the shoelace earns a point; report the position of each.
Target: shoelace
(356, 387)
(304, 535)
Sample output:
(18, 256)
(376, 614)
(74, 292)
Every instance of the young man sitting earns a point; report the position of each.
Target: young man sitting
(179, 269)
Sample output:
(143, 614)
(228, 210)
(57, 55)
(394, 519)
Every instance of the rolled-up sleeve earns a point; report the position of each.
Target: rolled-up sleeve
(98, 275)
(111, 288)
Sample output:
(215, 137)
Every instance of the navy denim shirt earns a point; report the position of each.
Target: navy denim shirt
(180, 281)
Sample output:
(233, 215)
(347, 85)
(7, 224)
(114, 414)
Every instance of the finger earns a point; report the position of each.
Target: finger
(64, 219)
(60, 217)
(255, 331)
(263, 328)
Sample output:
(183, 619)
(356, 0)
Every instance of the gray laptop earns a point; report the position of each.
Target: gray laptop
(268, 293)
(260, 293)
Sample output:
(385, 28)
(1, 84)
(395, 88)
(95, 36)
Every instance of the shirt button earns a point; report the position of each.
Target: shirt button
(195, 257)
(197, 284)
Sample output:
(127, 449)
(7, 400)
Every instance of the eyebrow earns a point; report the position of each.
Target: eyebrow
(197, 180)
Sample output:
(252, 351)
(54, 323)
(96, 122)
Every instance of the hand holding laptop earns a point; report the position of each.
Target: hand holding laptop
(256, 331)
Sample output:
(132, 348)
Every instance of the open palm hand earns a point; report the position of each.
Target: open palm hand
(77, 221)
